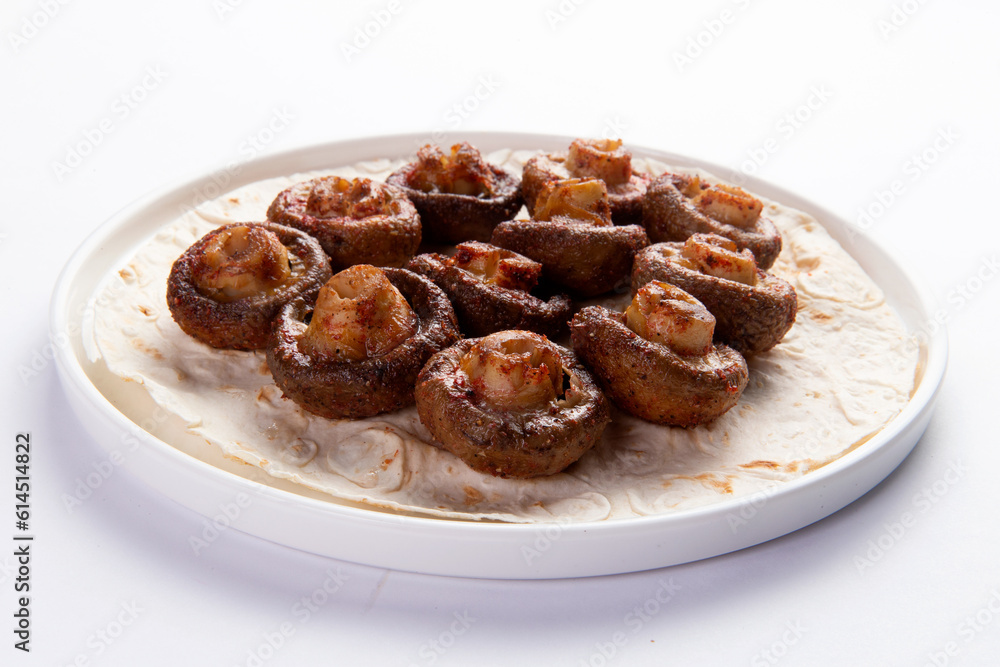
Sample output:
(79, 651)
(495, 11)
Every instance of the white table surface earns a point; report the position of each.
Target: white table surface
(156, 94)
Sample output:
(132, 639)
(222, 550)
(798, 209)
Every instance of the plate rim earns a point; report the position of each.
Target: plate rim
(894, 441)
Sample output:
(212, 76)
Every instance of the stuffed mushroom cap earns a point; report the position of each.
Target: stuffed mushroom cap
(511, 404)
(490, 287)
(459, 195)
(604, 159)
(573, 238)
(357, 221)
(227, 288)
(753, 309)
(657, 360)
(357, 351)
(679, 205)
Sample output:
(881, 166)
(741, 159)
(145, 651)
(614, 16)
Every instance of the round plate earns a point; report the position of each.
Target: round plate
(229, 494)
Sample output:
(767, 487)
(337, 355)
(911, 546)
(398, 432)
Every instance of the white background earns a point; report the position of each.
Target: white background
(831, 100)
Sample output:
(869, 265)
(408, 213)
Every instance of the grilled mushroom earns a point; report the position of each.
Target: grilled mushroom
(657, 361)
(753, 310)
(677, 206)
(512, 404)
(357, 351)
(226, 289)
(489, 288)
(604, 159)
(573, 238)
(459, 195)
(357, 221)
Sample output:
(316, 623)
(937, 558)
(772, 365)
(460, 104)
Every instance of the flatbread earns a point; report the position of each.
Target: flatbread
(845, 369)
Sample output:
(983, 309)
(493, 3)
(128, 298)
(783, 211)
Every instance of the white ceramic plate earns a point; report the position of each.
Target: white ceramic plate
(138, 438)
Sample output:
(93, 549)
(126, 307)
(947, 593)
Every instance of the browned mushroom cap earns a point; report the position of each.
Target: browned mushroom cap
(226, 289)
(512, 404)
(489, 288)
(357, 221)
(583, 253)
(604, 159)
(357, 353)
(677, 206)
(459, 195)
(657, 361)
(753, 309)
